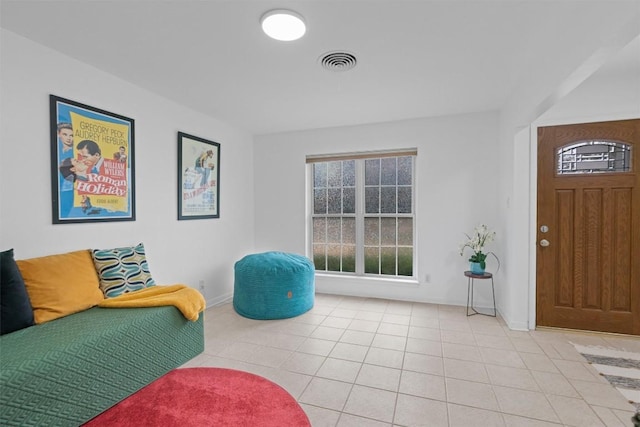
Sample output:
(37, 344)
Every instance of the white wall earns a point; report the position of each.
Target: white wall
(177, 251)
(512, 200)
(594, 95)
(604, 96)
(455, 154)
(456, 188)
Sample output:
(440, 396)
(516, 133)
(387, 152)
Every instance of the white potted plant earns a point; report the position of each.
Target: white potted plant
(481, 237)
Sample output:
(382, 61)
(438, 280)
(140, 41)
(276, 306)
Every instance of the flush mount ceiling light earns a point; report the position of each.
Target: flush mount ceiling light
(284, 25)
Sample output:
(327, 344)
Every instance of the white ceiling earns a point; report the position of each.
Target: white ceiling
(415, 58)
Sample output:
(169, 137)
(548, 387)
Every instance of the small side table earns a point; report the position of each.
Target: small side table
(470, 278)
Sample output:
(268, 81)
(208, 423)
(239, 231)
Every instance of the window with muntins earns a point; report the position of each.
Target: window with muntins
(362, 213)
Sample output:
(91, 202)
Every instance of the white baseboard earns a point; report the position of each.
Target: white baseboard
(222, 299)
(515, 325)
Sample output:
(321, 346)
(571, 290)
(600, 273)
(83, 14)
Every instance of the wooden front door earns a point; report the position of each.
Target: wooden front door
(588, 236)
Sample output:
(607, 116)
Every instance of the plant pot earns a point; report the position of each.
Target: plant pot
(476, 268)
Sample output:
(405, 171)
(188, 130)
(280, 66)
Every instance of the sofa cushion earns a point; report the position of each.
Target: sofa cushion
(15, 307)
(122, 270)
(62, 284)
(64, 373)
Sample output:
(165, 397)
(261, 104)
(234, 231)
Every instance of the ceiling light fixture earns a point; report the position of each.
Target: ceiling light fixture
(284, 25)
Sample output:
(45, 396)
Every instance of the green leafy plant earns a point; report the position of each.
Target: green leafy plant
(481, 237)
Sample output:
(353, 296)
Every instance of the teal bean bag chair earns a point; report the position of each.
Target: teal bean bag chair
(273, 285)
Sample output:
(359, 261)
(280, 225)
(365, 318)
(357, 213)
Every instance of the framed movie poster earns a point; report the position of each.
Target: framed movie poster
(92, 164)
(198, 178)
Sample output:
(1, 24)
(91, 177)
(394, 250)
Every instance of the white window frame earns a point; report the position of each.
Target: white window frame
(360, 211)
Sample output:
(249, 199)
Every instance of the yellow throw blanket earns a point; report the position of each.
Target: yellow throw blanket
(188, 300)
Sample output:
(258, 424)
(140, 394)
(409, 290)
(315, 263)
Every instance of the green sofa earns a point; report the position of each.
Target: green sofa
(67, 371)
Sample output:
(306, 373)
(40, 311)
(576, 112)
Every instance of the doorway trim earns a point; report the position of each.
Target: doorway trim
(533, 192)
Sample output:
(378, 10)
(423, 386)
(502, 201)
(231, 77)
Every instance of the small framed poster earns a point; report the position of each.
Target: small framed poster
(198, 177)
(92, 164)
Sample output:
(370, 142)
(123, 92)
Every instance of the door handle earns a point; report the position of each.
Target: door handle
(544, 243)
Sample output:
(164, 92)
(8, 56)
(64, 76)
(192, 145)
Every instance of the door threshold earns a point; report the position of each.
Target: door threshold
(556, 329)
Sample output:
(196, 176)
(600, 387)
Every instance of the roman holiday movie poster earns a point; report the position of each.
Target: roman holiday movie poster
(92, 163)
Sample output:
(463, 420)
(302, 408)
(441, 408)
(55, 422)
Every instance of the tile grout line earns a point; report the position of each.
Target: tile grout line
(547, 346)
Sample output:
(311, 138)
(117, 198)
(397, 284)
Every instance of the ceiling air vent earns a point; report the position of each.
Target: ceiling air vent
(338, 61)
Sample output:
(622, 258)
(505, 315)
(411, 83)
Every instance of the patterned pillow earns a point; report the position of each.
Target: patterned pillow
(122, 270)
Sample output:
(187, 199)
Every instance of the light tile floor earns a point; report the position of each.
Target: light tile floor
(373, 362)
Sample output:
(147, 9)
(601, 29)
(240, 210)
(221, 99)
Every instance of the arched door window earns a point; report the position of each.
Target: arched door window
(594, 156)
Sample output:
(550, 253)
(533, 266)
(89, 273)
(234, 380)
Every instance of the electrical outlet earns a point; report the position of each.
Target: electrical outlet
(427, 278)
(201, 286)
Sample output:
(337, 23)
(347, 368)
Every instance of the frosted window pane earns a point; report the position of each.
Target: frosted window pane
(371, 260)
(372, 231)
(333, 230)
(335, 202)
(404, 199)
(619, 155)
(349, 200)
(349, 173)
(349, 231)
(319, 175)
(349, 258)
(320, 201)
(388, 200)
(388, 261)
(388, 171)
(372, 200)
(404, 171)
(388, 231)
(383, 219)
(319, 230)
(335, 174)
(372, 172)
(333, 257)
(405, 261)
(592, 166)
(405, 231)
(319, 257)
